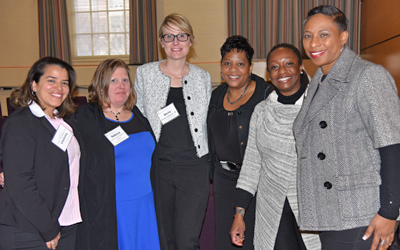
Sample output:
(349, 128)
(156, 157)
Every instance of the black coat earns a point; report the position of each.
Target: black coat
(261, 92)
(98, 231)
(36, 173)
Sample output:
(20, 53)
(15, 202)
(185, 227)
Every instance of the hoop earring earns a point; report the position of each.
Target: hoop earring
(33, 93)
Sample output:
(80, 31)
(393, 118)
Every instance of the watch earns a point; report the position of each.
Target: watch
(239, 211)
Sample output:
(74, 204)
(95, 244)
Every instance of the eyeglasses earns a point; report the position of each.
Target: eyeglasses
(169, 38)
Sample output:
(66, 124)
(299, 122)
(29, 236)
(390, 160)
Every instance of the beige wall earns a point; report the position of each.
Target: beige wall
(19, 39)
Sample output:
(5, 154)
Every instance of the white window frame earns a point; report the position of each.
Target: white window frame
(94, 59)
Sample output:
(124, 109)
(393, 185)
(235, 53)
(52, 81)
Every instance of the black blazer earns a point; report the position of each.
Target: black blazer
(36, 173)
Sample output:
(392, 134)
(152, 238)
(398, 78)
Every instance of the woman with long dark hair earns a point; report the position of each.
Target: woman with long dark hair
(39, 204)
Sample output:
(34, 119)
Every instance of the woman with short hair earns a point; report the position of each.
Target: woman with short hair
(174, 96)
(231, 106)
(348, 141)
(270, 161)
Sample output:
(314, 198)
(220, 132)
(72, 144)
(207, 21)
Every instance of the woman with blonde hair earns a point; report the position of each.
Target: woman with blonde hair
(174, 96)
(117, 201)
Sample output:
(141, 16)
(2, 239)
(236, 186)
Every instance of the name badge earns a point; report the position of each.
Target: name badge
(62, 137)
(168, 113)
(116, 136)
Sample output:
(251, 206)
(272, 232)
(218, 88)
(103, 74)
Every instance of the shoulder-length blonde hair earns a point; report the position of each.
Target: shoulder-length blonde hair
(98, 88)
(23, 96)
(179, 21)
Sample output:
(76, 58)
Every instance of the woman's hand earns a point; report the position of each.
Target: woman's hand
(54, 242)
(237, 230)
(2, 179)
(383, 230)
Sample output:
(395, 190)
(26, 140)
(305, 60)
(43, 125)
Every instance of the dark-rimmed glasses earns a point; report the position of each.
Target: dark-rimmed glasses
(169, 38)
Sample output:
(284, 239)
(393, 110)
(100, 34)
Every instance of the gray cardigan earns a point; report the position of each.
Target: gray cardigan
(338, 133)
(152, 88)
(269, 168)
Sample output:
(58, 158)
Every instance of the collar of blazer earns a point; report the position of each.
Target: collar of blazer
(340, 71)
(38, 111)
(339, 74)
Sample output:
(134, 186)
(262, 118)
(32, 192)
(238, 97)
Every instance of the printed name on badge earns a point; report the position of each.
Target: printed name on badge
(168, 113)
(116, 136)
(62, 137)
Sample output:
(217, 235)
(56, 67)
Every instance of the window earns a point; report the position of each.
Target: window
(99, 29)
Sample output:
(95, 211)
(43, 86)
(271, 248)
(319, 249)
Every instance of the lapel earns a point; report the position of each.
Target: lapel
(37, 111)
(335, 82)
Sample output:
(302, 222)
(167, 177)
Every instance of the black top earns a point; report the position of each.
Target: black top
(292, 99)
(243, 115)
(176, 143)
(131, 126)
(226, 139)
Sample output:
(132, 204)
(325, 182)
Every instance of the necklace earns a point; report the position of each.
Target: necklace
(227, 93)
(172, 76)
(116, 114)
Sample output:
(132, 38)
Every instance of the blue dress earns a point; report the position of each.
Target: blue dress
(136, 217)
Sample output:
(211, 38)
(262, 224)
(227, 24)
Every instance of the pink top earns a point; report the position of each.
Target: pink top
(71, 212)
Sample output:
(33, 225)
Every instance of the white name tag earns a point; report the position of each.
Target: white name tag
(168, 113)
(116, 136)
(62, 137)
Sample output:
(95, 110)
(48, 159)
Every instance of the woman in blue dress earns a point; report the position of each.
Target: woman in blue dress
(118, 209)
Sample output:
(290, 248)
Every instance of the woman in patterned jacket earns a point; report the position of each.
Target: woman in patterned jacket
(174, 96)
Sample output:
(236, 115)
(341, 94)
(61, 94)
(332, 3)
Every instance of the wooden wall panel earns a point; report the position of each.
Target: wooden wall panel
(386, 54)
(380, 34)
(380, 20)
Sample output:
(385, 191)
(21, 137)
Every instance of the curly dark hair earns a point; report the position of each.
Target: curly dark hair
(239, 43)
(339, 18)
(23, 96)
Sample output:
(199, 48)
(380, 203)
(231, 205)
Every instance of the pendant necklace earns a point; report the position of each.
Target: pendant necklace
(115, 114)
(227, 94)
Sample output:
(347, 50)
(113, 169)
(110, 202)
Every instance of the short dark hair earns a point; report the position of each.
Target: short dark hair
(98, 88)
(339, 18)
(240, 44)
(288, 46)
(23, 96)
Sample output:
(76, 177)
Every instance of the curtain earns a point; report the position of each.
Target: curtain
(53, 29)
(143, 31)
(269, 22)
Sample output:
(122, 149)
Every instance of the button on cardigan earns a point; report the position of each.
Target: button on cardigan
(152, 88)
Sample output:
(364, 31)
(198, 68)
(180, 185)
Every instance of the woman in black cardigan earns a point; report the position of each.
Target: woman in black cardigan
(231, 106)
(39, 205)
(117, 173)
